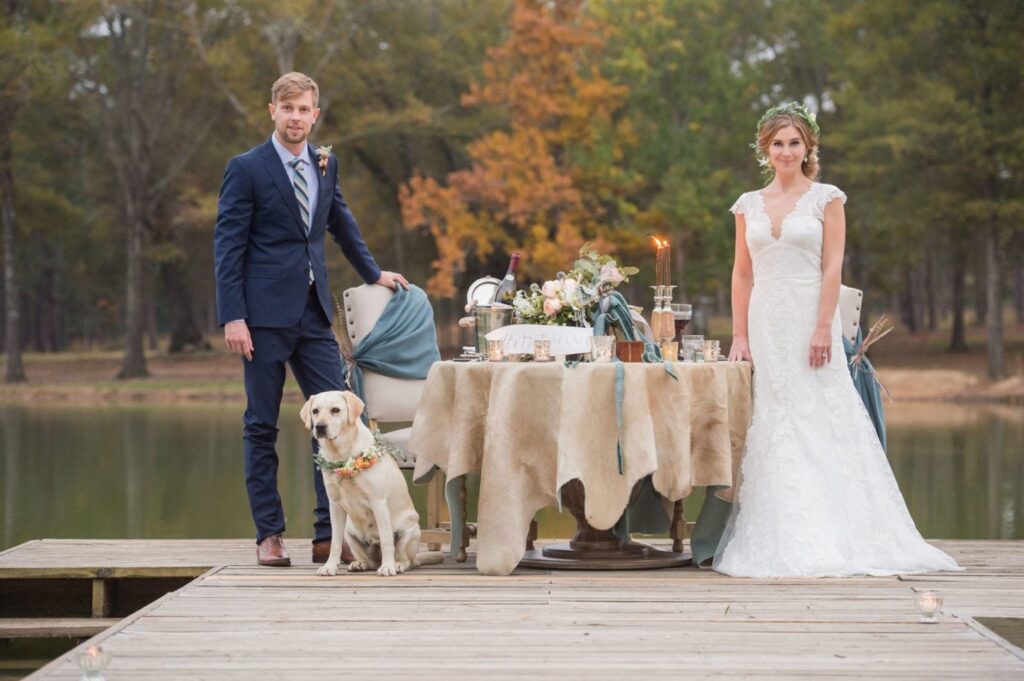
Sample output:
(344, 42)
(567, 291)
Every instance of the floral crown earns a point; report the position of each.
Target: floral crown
(786, 108)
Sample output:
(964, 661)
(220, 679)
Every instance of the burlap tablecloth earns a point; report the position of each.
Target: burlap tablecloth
(527, 428)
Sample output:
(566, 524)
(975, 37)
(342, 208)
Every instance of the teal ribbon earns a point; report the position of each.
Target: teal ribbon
(620, 389)
(613, 309)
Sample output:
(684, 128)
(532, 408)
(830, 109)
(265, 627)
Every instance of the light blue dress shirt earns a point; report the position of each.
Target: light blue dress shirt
(309, 172)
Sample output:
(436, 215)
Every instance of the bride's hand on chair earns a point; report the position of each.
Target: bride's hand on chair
(740, 350)
(820, 353)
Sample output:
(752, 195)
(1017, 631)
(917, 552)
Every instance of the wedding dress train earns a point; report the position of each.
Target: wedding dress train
(816, 496)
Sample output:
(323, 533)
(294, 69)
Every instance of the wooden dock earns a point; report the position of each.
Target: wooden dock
(240, 621)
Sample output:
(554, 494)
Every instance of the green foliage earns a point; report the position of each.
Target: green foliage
(920, 106)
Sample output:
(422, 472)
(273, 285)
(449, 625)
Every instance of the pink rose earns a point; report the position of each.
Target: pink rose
(552, 306)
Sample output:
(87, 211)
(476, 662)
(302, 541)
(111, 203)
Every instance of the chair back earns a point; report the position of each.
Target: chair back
(388, 400)
(850, 300)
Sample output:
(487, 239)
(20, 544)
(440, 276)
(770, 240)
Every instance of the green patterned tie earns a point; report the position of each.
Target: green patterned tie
(301, 191)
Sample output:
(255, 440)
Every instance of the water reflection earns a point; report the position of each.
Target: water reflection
(176, 472)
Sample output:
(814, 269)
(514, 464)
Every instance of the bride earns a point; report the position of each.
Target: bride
(817, 496)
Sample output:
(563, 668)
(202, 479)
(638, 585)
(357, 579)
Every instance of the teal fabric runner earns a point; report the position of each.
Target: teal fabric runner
(866, 383)
(613, 309)
(710, 525)
(402, 344)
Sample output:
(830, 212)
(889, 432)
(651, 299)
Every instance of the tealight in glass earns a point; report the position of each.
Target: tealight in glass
(929, 603)
(603, 348)
(542, 350)
(495, 351)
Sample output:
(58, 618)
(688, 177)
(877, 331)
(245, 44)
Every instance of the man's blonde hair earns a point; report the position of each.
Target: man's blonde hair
(292, 85)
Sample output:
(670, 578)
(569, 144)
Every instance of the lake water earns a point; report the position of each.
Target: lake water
(175, 471)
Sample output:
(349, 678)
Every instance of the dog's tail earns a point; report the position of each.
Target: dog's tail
(430, 558)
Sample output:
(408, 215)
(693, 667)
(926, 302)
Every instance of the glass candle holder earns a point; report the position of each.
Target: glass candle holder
(542, 350)
(929, 603)
(712, 350)
(495, 351)
(92, 661)
(603, 348)
(670, 351)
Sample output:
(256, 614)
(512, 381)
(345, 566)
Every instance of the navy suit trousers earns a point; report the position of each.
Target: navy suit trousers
(311, 351)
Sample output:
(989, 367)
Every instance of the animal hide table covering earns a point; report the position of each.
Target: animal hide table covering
(527, 428)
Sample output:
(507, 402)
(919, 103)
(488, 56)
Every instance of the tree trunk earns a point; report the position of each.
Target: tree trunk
(929, 291)
(993, 290)
(1018, 282)
(980, 297)
(149, 300)
(908, 305)
(133, 364)
(958, 339)
(14, 372)
(185, 330)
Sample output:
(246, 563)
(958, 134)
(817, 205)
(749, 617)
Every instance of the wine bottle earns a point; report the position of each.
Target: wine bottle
(507, 288)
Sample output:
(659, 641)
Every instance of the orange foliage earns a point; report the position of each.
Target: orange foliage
(530, 187)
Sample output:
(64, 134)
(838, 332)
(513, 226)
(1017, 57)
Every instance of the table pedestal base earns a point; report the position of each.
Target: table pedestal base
(593, 549)
(631, 556)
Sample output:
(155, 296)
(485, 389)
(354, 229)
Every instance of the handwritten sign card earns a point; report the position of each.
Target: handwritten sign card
(517, 339)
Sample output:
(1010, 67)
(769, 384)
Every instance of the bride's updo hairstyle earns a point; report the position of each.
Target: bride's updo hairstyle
(777, 118)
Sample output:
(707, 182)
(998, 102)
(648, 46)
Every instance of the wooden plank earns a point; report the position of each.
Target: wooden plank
(54, 627)
(245, 621)
(100, 598)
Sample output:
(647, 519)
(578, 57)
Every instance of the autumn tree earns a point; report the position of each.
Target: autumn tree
(548, 178)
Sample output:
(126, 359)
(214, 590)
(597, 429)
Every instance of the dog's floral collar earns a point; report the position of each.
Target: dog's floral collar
(354, 465)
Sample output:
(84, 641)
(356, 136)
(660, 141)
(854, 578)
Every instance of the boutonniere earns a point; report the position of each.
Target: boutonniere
(324, 153)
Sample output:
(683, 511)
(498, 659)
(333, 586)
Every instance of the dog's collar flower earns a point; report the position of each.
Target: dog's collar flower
(354, 465)
(324, 153)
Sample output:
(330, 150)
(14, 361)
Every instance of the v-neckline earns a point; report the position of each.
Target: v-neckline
(771, 224)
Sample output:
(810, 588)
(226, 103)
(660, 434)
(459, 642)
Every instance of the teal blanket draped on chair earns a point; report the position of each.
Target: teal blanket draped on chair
(402, 344)
(867, 385)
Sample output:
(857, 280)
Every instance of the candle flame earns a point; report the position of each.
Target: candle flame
(659, 242)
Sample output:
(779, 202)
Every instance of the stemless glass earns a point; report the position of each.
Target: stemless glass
(690, 346)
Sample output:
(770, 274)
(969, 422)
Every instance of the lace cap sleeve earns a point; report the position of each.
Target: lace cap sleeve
(740, 207)
(826, 194)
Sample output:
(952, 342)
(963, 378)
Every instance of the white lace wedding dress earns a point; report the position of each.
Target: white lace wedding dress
(817, 496)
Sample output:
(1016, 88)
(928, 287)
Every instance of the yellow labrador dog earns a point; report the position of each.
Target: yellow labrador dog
(369, 500)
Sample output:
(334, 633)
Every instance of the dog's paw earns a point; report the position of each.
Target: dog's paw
(387, 570)
(328, 569)
(402, 566)
(357, 566)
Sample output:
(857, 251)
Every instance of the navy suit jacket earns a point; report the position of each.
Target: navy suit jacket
(261, 251)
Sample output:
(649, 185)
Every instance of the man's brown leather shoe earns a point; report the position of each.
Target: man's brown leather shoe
(322, 550)
(271, 551)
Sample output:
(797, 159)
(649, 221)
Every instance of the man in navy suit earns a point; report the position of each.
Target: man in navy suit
(276, 202)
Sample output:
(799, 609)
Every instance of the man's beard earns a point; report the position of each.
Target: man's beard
(294, 136)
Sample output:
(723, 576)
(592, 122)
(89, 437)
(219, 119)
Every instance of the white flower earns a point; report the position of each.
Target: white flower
(569, 287)
(610, 273)
(813, 116)
(550, 289)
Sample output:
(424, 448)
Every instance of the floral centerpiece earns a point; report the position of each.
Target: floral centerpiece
(571, 298)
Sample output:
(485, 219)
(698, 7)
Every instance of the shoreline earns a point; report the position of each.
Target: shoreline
(912, 386)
